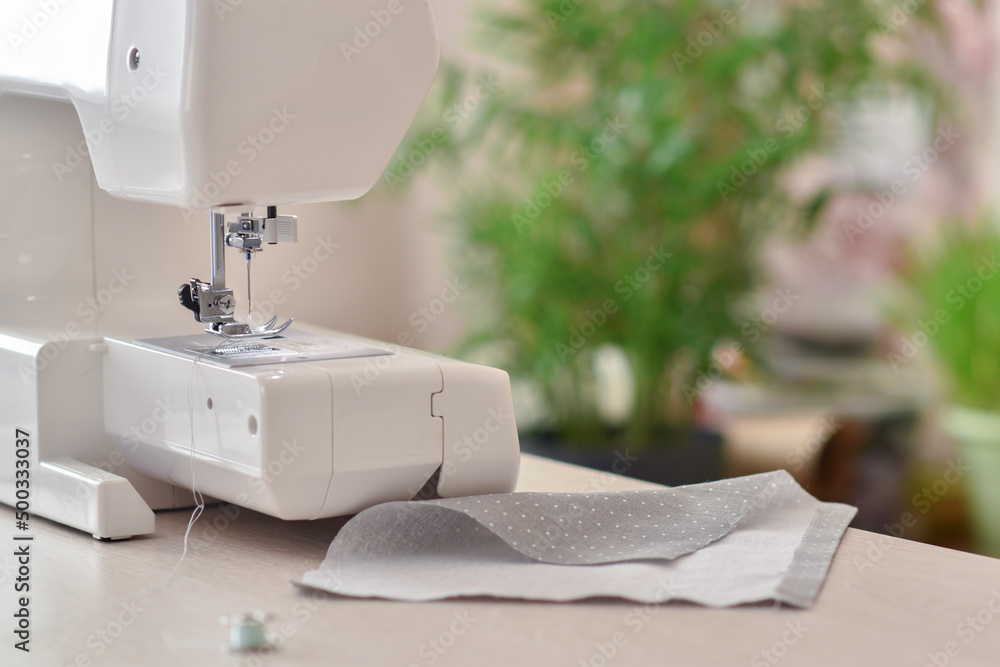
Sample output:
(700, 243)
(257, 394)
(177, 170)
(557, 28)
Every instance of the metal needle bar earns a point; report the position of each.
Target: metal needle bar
(218, 250)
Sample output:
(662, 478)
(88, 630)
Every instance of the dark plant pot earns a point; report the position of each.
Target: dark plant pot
(688, 458)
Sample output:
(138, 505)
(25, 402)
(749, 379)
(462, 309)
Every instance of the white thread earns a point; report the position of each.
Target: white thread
(199, 498)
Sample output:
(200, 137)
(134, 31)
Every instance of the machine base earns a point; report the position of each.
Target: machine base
(303, 427)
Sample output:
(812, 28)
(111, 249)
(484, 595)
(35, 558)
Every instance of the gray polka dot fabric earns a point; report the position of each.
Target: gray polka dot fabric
(723, 543)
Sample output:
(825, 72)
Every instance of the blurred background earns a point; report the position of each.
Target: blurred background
(707, 238)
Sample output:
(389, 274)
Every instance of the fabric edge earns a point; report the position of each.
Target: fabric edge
(814, 555)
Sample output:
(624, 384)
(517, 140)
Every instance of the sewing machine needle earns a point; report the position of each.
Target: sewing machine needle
(249, 287)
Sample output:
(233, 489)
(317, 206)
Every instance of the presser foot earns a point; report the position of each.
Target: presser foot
(242, 331)
(212, 302)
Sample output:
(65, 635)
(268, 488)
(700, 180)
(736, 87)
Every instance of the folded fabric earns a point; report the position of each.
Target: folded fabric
(722, 543)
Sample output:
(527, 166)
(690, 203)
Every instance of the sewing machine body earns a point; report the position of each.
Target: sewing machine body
(124, 121)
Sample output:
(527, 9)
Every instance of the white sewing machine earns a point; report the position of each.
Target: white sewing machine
(138, 133)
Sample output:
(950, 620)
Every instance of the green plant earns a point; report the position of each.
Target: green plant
(956, 314)
(628, 169)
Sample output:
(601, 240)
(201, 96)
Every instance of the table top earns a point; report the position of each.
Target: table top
(887, 602)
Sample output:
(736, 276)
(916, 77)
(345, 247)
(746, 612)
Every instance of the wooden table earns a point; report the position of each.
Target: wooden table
(887, 602)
